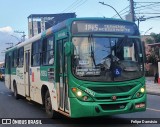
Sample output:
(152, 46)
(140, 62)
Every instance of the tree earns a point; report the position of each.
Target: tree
(149, 41)
(153, 56)
(155, 38)
(152, 51)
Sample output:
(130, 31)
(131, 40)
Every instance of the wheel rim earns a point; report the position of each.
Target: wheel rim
(48, 105)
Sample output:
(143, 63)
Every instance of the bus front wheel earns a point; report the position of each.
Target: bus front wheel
(48, 106)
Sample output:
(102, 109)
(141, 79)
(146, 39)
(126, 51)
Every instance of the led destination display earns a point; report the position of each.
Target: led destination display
(103, 27)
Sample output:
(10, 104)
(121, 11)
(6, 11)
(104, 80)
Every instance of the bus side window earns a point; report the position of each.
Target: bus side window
(20, 57)
(36, 53)
(14, 59)
(48, 51)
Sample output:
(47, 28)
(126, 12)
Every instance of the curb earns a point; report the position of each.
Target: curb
(153, 93)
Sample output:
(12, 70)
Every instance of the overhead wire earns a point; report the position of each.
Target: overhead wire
(145, 5)
(142, 6)
(155, 9)
(147, 9)
(74, 5)
(125, 13)
(120, 12)
(147, 13)
(80, 4)
(139, 9)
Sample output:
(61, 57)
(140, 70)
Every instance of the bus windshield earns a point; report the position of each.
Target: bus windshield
(107, 58)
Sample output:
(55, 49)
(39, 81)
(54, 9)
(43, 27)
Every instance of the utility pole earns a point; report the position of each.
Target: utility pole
(132, 10)
(23, 36)
(11, 45)
(16, 38)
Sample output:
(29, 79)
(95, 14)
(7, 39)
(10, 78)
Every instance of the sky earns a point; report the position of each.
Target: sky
(14, 13)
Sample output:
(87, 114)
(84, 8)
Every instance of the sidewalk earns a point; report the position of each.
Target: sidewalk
(151, 87)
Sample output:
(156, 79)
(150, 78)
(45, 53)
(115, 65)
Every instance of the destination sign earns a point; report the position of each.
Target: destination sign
(101, 27)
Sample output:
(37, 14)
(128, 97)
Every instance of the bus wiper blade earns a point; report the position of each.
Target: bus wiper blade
(122, 43)
(130, 69)
(90, 40)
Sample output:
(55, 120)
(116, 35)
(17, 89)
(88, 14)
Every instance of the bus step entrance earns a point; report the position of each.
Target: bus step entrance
(28, 98)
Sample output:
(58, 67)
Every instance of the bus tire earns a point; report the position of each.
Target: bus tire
(48, 106)
(15, 91)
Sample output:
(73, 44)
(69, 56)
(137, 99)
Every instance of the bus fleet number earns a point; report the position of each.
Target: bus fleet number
(90, 92)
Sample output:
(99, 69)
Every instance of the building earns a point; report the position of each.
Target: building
(40, 22)
(151, 51)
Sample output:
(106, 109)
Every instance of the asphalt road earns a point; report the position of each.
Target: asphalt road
(23, 109)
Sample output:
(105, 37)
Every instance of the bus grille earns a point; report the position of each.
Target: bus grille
(110, 99)
(112, 89)
(113, 106)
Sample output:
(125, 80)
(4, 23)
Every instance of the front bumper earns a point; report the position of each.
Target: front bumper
(92, 109)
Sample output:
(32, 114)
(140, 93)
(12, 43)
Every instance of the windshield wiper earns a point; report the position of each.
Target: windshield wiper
(130, 69)
(90, 40)
(121, 44)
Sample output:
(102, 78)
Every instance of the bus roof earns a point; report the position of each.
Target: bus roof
(61, 25)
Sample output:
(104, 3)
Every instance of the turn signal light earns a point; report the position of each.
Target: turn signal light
(74, 89)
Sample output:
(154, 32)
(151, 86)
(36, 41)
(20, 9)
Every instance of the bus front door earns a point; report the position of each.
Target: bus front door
(27, 73)
(63, 86)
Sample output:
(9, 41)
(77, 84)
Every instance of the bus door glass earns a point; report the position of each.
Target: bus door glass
(27, 73)
(63, 92)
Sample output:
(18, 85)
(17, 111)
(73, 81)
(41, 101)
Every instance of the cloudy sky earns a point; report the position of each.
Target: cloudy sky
(14, 14)
(6, 40)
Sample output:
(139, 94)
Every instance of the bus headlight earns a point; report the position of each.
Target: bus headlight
(142, 90)
(81, 95)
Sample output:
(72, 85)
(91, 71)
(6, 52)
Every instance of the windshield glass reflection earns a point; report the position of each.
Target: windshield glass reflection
(107, 59)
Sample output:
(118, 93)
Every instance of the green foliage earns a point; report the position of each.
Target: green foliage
(153, 56)
(155, 38)
(149, 41)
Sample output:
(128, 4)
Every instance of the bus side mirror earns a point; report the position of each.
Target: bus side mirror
(68, 48)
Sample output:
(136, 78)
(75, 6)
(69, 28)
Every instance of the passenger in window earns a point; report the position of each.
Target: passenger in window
(51, 59)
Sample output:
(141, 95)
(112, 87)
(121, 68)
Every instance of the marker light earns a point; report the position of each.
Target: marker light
(74, 89)
(79, 93)
(142, 90)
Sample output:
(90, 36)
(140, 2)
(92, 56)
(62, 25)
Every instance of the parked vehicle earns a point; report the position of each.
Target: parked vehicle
(2, 75)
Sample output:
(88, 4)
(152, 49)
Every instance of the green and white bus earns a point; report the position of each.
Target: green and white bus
(81, 67)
